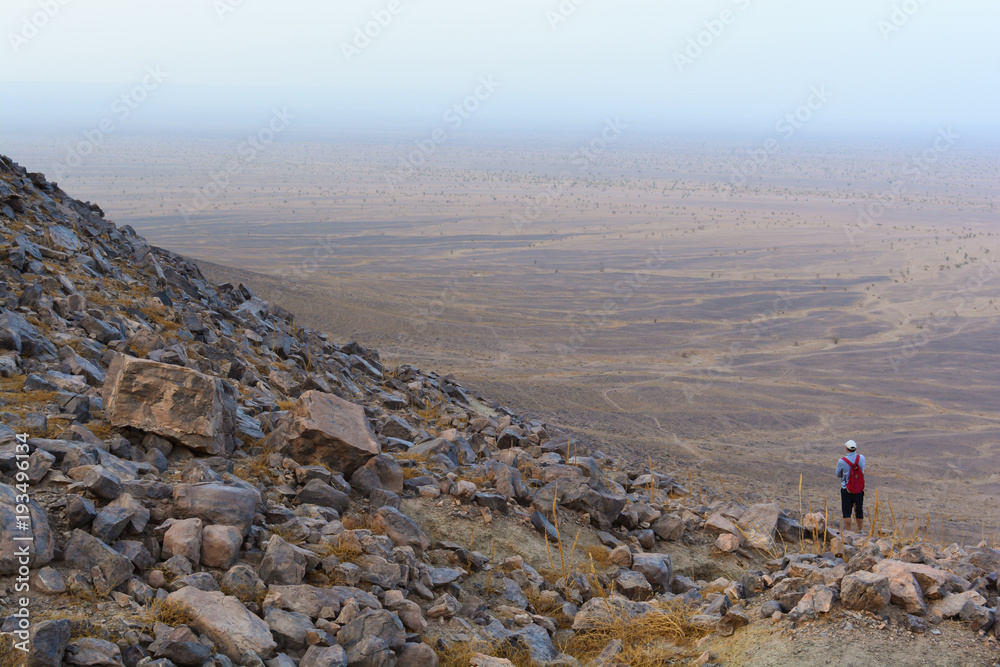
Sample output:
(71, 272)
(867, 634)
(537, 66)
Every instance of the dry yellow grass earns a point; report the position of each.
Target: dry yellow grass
(359, 520)
(256, 469)
(245, 594)
(289, 535)
(647, 640)
(459, 654)
(10, 656)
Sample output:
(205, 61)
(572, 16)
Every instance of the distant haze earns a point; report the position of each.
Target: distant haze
(731, 65)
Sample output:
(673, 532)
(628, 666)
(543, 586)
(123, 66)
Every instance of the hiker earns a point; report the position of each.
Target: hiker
(851, 472)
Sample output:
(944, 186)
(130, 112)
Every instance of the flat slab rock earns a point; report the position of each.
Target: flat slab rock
(177, 403)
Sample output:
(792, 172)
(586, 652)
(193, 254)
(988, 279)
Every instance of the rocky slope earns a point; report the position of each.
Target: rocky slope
(202, 482)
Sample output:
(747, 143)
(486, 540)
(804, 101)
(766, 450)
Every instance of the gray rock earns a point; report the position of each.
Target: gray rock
(656, 568)
(93, 652)
(216, 504)
(84, 552)
(380, 472)
(316, 492)
(48, 581)
(288, 628)
(183, 405)
(79, 511)
(415, 655)
(401, 529)
(110, 523)
(48, 640)
(42, 545)
(373, 623)
(324, 656)
(226, 622)
(758, 525)
(102, 482)
(371, 651)
(669, 527)
(282, 563)
(322, 428)
(864, 591)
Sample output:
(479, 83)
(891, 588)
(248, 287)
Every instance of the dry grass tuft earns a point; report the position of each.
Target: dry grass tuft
(246, 594)
(359, 521)
(10, 656)
(647, 640)
(598, 555)
(287, 533)
(256, 469)
(460, 654)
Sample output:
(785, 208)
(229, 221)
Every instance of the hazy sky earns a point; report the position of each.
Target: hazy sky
(724, 65)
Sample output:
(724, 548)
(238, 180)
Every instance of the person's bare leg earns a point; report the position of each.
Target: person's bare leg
(859, 525)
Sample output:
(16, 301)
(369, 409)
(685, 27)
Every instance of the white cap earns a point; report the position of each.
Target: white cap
(851, 445)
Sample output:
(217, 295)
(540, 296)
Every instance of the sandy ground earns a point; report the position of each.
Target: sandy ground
(737, 335)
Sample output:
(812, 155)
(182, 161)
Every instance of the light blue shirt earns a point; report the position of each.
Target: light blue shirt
(844, 470)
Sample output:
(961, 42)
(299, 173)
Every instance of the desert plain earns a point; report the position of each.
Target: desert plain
(722, 311)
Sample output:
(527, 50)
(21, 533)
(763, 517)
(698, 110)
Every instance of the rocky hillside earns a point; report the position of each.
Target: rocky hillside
(190, 479)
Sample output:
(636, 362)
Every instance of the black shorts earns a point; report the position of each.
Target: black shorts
(852, 500)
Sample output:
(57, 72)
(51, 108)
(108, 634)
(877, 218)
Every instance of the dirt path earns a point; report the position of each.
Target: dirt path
(847, 641)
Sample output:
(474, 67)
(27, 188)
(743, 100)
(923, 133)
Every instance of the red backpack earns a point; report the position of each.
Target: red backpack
(856, 480)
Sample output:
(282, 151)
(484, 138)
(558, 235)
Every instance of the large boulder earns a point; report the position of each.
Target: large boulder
(373, 623)
(656, 568)
(381, 472)
(183, 538)
(40, 548)
(282, 563)
(19, 335)
(951, 605)
(48, 640)
(904, 590)
(177, 403)
(401, 529)
(85, 552)
(590, 495)
(931, 581)
(226, 622)
(216, 504)
(758, 524)
(220, 546)
(322, 428)
(865, 591)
